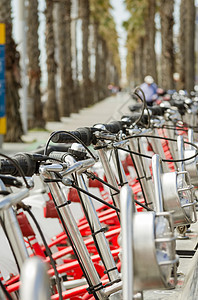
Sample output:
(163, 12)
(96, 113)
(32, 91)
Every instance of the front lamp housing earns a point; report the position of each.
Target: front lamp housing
(178, 197)
(148, 248)
(153, 250)
(191, 165)
(173, 193)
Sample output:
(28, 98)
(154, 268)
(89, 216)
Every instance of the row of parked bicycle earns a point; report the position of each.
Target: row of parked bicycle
(134, 183)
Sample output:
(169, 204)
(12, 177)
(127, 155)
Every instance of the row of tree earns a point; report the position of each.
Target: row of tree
(76, 78)
(177, 51)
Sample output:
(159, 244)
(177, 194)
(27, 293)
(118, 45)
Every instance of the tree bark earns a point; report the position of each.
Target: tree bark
(69, 77)
(150, 55)
(12, 78)
(167, 62)
(74, 33)
(51, 107)
(66, 93)
(97, 63)
(34, 71)
(190, 46)
(182, 43)
(103, 69)
(87, 86)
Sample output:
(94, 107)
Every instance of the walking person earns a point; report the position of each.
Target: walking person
(149, 87)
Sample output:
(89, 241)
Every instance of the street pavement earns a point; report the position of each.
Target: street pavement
(110, 109)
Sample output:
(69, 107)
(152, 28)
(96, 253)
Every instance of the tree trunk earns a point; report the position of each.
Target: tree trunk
(190, 46)
(141, 60)
(135, 55)
(74, 35)
(69, 77)
(12, 78)
(34, 71)
(64, 58)
(167, 65)
(103, 69)
(51, 107)
(182, 43)
(64, 105)
(150, 55)
(97, 63)
(138, 62)
(87, 88)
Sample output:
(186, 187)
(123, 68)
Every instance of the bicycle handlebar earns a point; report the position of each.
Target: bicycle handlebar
(28, 163)
(10, 181)
(113, 127)
(85, 134)
(50, 148)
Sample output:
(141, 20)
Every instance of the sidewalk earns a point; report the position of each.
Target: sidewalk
(102, 112)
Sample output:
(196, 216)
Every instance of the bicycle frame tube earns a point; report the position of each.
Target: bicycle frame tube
(145, 181)
(157, 147)
(127, 242)
(11, 225)
(100, 238)
(73, 230)
(15, 236)
(173, 149)
(108, 172)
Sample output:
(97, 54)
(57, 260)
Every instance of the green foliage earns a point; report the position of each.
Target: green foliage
(135, 27)
(101, 13)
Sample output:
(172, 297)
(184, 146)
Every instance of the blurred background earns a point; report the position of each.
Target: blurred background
(59, 56)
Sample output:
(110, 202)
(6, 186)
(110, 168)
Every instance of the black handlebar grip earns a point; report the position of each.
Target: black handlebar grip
(180, 105)
(132, 119)
(135, 107)
(157, 110)
(84, 134)
(114, 126)
(50, 148)
(27, 162)
(6, 167)
(10, 181)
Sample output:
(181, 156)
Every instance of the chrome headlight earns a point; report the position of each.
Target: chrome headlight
(191, 165)
(153, 250)
(173, 193)
(178, 197)
(148, 248)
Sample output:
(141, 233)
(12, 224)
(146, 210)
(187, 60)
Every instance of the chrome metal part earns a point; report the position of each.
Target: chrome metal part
(13, 199)
(35, 284)
(172, 135)
(78, 166)
(116, 296)
(147, 267)
(156, 167)
(178, 198)
(126, 197)
(157, 147)
(146, 182)
(180, 146)
(102, 242)
(74, 232)
(14, 234)
(153, 264)
(191, 165)
(190, 137)
(70, 284)
(109, 174)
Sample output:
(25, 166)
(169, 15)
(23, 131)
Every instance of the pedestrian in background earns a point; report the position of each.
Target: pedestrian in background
(149, 87)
